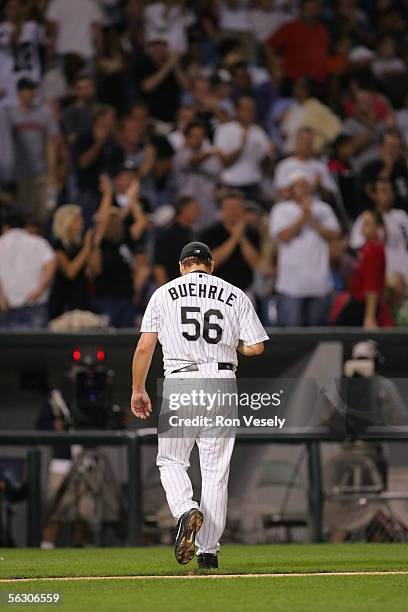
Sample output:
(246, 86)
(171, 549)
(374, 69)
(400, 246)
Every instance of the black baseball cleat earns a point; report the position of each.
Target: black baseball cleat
(207, 561)
(188, 526)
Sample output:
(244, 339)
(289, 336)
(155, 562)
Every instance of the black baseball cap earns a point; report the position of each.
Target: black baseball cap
(196, 249)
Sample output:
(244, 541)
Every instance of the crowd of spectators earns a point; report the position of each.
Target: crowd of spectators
(276, 131)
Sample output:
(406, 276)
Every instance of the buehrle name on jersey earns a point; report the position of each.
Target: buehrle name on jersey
(200, 318)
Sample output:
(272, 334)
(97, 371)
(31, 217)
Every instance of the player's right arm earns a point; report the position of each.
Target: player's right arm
(140, 402)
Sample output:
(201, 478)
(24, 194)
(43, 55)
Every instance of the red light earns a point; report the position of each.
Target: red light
(76, 355)
(100, 355)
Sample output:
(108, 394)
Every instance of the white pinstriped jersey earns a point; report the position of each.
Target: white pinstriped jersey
(200, 318)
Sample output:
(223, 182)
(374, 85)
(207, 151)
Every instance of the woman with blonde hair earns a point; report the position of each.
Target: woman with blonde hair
(73, 250)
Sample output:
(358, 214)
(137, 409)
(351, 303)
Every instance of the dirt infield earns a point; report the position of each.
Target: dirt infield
(206, 576)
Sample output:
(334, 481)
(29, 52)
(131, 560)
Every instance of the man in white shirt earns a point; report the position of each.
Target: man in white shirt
(27, 268)
(243, 146)
(75, 27)
(396, 225)
(304, 228)
(304, 160)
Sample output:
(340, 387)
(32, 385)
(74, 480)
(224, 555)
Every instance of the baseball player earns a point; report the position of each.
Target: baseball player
(201, 321)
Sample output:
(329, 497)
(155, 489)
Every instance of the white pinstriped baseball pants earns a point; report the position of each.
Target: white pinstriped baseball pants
(215, 452)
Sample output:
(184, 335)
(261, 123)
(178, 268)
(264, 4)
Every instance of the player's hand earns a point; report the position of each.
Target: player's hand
(140, 405)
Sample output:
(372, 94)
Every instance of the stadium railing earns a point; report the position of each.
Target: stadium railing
(134, 440)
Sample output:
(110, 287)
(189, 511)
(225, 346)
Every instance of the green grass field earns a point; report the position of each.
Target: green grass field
(304, 593)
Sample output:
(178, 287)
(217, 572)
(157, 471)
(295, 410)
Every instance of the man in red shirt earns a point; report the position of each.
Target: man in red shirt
(303, 45)
(367, 285)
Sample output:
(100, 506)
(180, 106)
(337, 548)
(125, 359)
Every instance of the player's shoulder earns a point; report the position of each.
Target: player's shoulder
(161, 292)
(229, 288)
(156, 297)
(172, 283)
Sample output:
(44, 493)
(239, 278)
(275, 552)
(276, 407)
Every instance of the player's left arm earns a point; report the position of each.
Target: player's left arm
(140, 402)
(251, 333)
(250, 350)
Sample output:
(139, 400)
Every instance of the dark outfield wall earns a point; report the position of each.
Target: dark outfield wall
(29, 361)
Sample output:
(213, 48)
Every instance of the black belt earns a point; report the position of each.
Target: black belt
(194, 368)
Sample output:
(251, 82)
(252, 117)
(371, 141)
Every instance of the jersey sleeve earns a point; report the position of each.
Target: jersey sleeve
(251, 330)
(151, 317)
